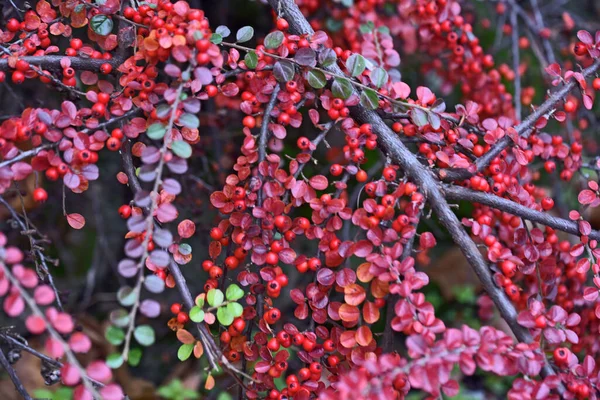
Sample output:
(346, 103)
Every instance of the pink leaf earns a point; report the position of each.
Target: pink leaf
(76, 221)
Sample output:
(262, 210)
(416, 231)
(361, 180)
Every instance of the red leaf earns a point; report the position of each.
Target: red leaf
(586, 196)
(318, 182)
(76, 221)
(186, 228)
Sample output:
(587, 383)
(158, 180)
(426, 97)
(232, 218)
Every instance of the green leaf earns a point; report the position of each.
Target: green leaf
(114, 335)
(144, 334)
(185, 249)
(367, 28)
(234, 292)
(189, 121)
(101, 24)
(135, 356)
(284, 71)
(181, 149)
(223, 31)
(127, 296)
(379, 77)
(251, 60)
(185, 351)
(327, 57)
(369, 99)
(244, 34)
(215, 297)
(384, 29)
(119, 317)
(225, 316)
(197, 314)
(200, 301)
(356, 64)
(215, 38)
(156, 131)
(43, 394)
(114, 360)
(341, 88)
(316, 79)
(273, 40)
(235, 309)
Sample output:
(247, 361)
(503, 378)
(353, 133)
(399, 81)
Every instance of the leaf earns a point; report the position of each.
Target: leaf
(284, 71)
(126, 296)
(215, 297)
(101, 24)
(356, 64)
(215, 38)
(114, 335)
(327, 57)
(235, 309)
(181, 149)
(341, 88)
(306, 57)
(379, 77)
(273, 40)
(316, 79)
(369, 99)
(156, 131)
(185, 336)
(185, 351)
(234, 292)
(189, 121)
(76, 221)
(434, 120)
(223, 31)
(251, 60)
(154, 284)
(244, 34)
(224, 316)
(419, 117)
(135, 356)
(144, 334)
(197, 314)
(114, 360)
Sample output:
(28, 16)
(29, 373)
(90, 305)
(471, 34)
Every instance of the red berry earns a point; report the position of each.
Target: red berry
(182, 317)
(40, 195)
(125, 211)
(282, 24)
(106, 68)
(18, 77)
(176, 308)
(547, 203)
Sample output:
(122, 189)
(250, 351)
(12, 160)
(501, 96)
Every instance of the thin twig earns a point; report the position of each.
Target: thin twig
(55, 335)
(523, 129)
(13, 376)
(516, 63)
(457, 193)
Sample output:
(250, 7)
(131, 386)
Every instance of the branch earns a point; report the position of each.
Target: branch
(127, 159)
(14, 342)
(523, 129)
(55, 335)
(13, 376)
(392, 146)
(52, 63)
(28, 153)
(458, 193)
(35, 249)
(264, 135)
(516, 61)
